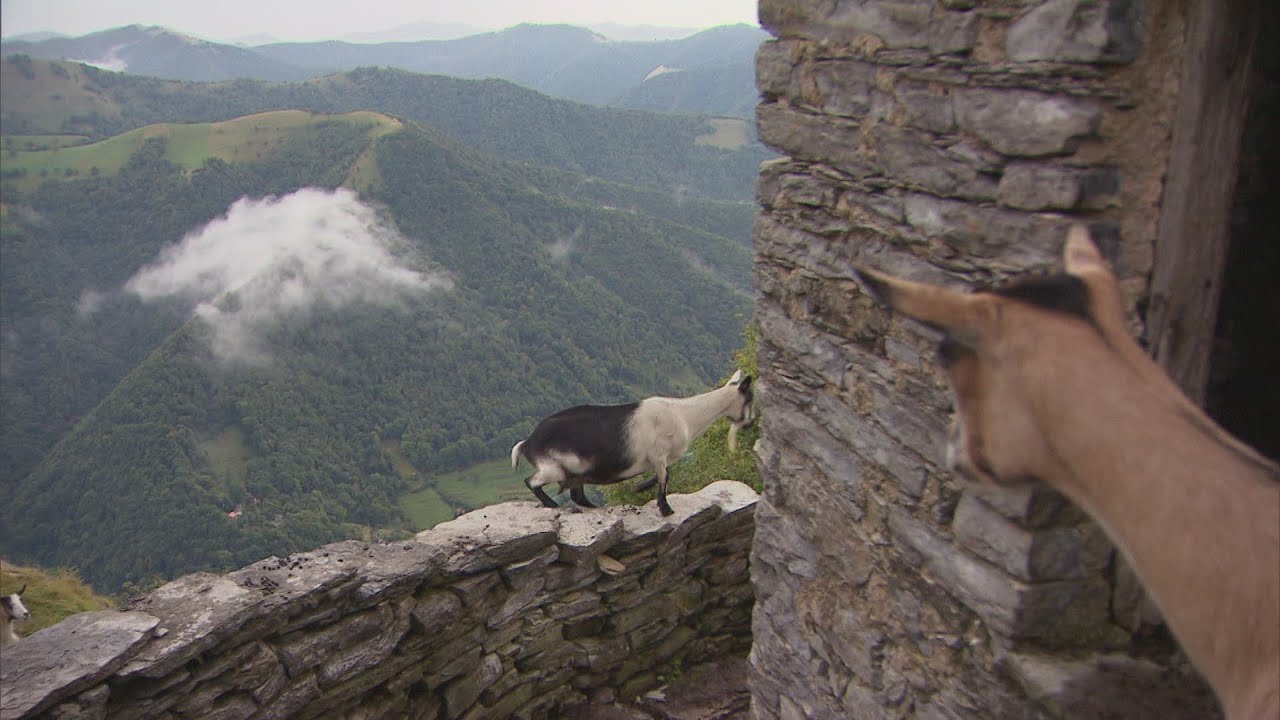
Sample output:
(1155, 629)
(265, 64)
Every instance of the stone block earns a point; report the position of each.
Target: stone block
(1032, 505)
(1069, 612)
(897, 23)
(806, 136)
(495, 535)
(58, 662)
(599, 654)
(195, 612)
(303, 650)
(994, 238)
(1035, 186)
(953, 32)
(911, 158)
(1025, 122)
(1074, 31)
(90, 705)
(926, 105)
(844, 87)
(1112, 685)
(584, 536)
(774, 68)
(462, 693)
(436, 611)
(1057, 553)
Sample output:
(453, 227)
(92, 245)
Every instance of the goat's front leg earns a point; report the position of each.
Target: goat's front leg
(538, 491)
(663, 476)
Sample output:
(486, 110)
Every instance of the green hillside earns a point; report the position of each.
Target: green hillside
(135, 452)
(190, 146)
(668, 152)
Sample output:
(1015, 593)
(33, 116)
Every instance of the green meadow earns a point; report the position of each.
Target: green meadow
(437, 498)
(241, 140)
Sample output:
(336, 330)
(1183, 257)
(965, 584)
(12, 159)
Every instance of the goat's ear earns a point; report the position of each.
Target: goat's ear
(24, 589)
(745, 385)
(1080, 255)
(737, 378)
(960, 315)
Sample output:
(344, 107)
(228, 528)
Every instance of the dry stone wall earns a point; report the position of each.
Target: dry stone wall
(514, 610)
(950, 141)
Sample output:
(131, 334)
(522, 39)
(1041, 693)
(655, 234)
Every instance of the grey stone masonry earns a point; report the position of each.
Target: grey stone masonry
(953, 142)
(514, 610)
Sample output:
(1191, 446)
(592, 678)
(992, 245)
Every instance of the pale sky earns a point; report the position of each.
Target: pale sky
(324, 19)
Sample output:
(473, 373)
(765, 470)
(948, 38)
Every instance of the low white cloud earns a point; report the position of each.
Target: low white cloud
(89, 303)
(274, 260)
(563, 246)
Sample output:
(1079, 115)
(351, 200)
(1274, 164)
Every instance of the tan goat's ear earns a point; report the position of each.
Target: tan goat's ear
(960, 315)
(1081, 258)
(1080, 255)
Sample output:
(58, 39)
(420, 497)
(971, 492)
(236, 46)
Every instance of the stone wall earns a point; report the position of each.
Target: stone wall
(950, 141)
(514, 610)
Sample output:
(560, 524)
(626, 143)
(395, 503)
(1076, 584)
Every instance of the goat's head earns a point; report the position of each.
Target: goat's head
(13, 607)
(1001, 344)
(741, 411)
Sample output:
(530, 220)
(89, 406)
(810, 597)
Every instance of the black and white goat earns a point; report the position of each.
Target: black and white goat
(605, 444)
(12, 611)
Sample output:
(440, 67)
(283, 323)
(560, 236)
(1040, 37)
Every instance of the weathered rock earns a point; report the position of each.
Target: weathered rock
(1069, 552)
(1033, 186)
(1112, 685)
(948, 144)
(463, 622)
(1074, 30)
(495, 535)
(61, 661)
(1026, 123)
(584, 536)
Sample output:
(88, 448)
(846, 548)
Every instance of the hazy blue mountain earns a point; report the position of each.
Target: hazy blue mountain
(158, 52)
(560, 60)
(712, 71)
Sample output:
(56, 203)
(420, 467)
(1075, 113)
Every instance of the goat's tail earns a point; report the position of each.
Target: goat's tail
(515, 453)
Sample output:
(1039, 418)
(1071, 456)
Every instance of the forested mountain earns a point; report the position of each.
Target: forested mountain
(158, 52)
(638, 148)
(561, 60)
(150, 428)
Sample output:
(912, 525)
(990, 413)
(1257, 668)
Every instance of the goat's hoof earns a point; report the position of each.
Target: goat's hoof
(571, 507)
(665, 509)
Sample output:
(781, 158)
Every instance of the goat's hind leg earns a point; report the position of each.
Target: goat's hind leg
(663, 476)
(579, 495)
(539, 492)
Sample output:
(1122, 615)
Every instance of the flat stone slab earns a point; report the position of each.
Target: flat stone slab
(584, 536)
(494, 536)
(58, 662)
(1114, 685)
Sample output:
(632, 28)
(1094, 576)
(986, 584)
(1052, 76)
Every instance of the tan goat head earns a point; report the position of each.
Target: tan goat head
(1049, 385)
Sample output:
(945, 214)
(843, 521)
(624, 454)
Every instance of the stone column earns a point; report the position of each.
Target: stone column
(952, 142)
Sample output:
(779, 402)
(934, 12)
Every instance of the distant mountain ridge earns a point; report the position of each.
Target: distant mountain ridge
(560, 60)
(157, 52)
(494, 116)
